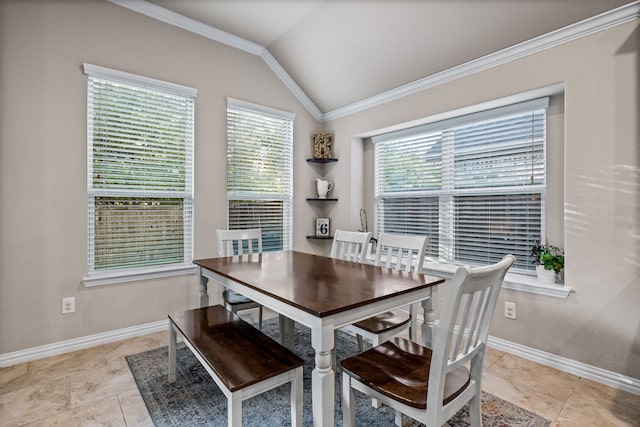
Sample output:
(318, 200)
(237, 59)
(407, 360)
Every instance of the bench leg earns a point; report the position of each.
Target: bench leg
(296, 398)
(234, 410)
(172, 353)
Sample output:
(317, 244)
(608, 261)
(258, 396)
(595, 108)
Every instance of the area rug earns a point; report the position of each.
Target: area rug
(195, 400)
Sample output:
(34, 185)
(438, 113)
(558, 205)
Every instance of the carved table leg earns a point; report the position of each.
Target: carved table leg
(323, 377)
(429, 325)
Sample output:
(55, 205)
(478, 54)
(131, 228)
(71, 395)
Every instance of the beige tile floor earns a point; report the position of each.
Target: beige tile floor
(95, 387)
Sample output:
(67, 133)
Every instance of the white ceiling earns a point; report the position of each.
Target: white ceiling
(340, 52)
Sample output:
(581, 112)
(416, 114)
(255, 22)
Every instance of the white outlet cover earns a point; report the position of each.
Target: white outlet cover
(68, 305)
(509, 310)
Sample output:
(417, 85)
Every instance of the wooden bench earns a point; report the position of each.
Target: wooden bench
(242, 361)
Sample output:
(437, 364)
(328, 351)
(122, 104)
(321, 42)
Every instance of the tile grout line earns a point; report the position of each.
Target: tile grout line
(124, 419)
(566, 402)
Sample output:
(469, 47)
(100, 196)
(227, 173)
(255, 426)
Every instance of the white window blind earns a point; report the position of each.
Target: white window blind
(140, 171)
(259, 171)
(475, 185)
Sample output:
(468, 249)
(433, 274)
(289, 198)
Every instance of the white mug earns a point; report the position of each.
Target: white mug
(323, 188)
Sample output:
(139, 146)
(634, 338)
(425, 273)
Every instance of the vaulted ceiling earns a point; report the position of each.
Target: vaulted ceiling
(341, 52)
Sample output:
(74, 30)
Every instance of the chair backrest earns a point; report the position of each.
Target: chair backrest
(239, 242)
(402, 251)
(461, 335)
(350, 245)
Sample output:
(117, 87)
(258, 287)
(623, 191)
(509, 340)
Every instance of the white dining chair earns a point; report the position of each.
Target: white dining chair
(350, 245)
(239, 242)
(431, 385)
(397, 252)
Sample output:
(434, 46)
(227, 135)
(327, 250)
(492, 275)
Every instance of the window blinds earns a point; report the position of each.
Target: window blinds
(140, 171)
(475, 185)
(259, 171)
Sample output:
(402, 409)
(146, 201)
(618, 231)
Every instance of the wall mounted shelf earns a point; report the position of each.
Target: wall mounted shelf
(321, 204)
(321, 160)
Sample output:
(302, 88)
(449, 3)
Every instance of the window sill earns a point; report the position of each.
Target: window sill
(131, 275)
(513, 281)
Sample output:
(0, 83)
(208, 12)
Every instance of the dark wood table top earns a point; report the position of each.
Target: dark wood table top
(316, 284)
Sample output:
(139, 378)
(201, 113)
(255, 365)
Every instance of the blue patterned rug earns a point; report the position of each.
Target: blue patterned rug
(195, 400)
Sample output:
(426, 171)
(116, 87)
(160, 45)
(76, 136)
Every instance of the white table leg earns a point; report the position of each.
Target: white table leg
(429, 325)
(202, 291)
(323, 377)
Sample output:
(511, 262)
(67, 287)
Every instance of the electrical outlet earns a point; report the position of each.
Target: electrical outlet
(510, 310)
(68, 305)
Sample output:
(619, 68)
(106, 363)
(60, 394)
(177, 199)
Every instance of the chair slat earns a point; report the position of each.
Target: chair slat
(461, 320)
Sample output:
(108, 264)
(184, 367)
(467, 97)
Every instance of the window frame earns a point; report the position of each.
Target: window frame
(236, 191)
(97, 277)
(522, 282)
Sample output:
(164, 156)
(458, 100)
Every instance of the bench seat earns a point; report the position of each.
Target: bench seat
(242, 361)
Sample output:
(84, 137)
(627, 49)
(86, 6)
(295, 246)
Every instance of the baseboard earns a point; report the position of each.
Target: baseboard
(67, 346)
(612, 379)
(615, 380)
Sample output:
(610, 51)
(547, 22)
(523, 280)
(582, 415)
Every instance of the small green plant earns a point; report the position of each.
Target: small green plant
(551, 257)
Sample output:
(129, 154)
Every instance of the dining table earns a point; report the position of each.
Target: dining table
(323, 294)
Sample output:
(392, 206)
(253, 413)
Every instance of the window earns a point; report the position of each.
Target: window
(140, 173)
(475, 185)
(259, 171)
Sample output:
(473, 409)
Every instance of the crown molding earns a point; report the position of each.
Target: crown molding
(291, 84)
(169, 17)
(165, 15)
(575, 31)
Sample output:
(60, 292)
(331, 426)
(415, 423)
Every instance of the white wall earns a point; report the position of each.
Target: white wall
(600, 323)
(43, 158)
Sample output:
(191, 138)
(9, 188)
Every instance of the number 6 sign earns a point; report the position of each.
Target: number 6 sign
(322, 227)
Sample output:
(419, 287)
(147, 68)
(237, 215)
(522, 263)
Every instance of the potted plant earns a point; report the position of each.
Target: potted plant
(549, 261)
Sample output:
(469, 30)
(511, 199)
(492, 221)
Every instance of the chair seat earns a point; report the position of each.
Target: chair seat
(399, 369)
(233, 297)
(384, 322)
